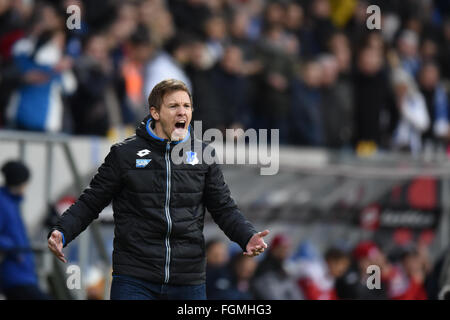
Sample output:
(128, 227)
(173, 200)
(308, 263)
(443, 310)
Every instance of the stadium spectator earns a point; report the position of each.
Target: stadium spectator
(353, 283)
(339, 46)
(274, 13)
(413, 268)
(158, 20)
(273, 85)
(306, 122)
(235, 283)
(169, 63)
(95, 105)
(317, 280)
(322, 25)
(375, 111)
(271, 280)
(217, 275)
(308, 267)
(338, 262)
(408, 49)
(429, 50)
(215, 30)
(208, 106)
(138, 50)
(18, 278)
(436, 102)
(399, 281)
(190, 15)
(294, 22)
(123, 25)
(234, 92)
(227, 279)
(240, 37)
(37, 104)
(12, 28)
(336, 105)
(413, 112)
(242, 271)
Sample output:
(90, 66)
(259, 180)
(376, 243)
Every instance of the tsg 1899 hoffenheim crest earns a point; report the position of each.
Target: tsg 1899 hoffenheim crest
(142, 163)
(191, 157)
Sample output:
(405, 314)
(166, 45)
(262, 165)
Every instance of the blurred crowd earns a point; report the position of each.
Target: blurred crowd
(311, 68)
(286, 272)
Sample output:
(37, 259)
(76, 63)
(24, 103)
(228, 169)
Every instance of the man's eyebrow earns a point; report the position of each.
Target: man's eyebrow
(176, 102)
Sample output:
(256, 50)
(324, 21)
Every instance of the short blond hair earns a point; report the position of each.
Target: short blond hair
(155, 99)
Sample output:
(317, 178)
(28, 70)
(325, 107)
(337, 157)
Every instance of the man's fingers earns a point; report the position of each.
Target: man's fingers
(56, 237)
(254, 252)
(53, 245)
(264, 233)
(61, 258)
(257, 244)
(55, 251)
(56, 248)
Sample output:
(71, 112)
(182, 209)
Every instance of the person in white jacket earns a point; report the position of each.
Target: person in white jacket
(414, 118)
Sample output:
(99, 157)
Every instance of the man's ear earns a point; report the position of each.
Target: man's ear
(154, 113)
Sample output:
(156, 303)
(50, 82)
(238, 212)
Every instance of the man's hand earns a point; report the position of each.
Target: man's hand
(55, 244)
(256, 245)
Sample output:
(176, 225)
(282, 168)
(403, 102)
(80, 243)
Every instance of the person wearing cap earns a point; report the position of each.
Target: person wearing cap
(18, 278)
(353, 283)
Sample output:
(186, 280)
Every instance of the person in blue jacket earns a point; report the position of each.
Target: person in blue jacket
(18, 278)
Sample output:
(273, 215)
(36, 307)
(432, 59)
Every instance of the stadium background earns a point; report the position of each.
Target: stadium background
(359, 158)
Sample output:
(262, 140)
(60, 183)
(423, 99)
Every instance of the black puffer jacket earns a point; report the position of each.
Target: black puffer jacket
(159, 209)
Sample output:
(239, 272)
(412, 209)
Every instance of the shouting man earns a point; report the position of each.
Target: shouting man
(159, 206)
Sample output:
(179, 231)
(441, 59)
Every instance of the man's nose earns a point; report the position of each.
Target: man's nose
(181, 111)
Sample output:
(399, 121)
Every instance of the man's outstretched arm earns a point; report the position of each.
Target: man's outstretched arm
(102, 189)
(228, 217)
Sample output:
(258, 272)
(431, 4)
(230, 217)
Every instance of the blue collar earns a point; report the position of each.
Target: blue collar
(154, 136)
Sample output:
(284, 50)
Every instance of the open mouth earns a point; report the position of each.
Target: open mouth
(179, 130)
(180, 124)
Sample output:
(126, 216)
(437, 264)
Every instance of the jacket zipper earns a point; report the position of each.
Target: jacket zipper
(167, 212)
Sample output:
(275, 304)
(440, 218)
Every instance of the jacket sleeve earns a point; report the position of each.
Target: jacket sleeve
(223, 208)
(103, 187)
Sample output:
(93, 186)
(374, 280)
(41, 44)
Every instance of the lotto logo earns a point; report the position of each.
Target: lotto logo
(143, 152)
